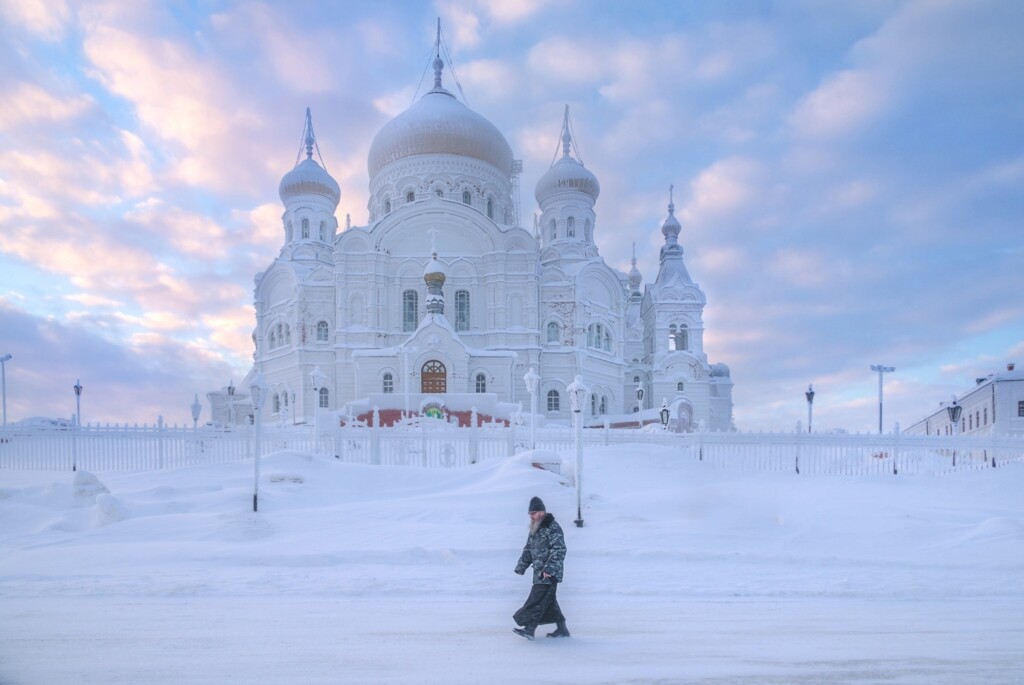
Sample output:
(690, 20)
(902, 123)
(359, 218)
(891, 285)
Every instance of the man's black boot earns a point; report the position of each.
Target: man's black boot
(526, 632)
(560, 631)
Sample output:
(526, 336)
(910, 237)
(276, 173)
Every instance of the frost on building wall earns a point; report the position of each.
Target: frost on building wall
(442, 299)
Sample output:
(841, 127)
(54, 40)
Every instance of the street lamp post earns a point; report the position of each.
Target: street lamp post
(532, 379)
(78, 402)
(954, 411)
(231, 403)
(881, 370)
(664, 413)
(810, 401)
(196, 410)
(3, 374)
(640, 405)
(577, 399)
(258, 390)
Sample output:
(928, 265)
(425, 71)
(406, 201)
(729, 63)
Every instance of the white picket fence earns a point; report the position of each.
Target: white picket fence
(434, 444)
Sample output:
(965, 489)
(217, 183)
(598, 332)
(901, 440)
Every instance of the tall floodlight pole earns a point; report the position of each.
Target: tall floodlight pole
(3, 373)
(577, 399)
(881, 370)
(810, 402)
(532, 379)
(258, 390)
(640, 405)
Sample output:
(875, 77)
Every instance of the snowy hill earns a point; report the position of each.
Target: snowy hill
(371, 574)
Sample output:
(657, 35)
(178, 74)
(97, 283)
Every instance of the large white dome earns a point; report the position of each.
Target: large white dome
(566, 175)
(439, 124)
(309, 178)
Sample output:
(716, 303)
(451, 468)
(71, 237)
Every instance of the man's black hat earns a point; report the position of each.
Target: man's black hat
(536, 505)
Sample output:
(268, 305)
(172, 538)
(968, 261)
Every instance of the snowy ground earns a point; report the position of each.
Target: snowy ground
(361, 574)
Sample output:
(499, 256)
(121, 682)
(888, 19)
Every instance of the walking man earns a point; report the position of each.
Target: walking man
(545, 551)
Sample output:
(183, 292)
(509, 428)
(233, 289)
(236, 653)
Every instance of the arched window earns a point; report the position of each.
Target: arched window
(570, 227)
(553, 402)
(462, 310)
(323, 231)
(305, 229)
(322, 331)
(277, 403)
(672, 338)
(586, 230)
(325, 398)
(636, 379)
(593, 405)
(388, 384)
(284, 399)
(410, 310)
(552, 332)
(439, 192)
(387, 206)
(272, 340)
(604, 404)
(679, 386)
(481, 383)
(287, 334)
(466, 197)
(554, 230)
(490, 208)
(682, 338)
(410, 196)
(607, 341)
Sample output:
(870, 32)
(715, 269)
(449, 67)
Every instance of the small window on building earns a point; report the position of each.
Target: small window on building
(410, 196)
(679, 386)
(305, 229)
(586, 230)
(672, 338)
(481, 383)
(552, 332)
(388, 385)
(593, 405)
(439, 192)
(271, 340)
(466, 197)
(325, 398)
(554, 230)
(1020, 408)
(636, 380)
(277, 403)
(986, 415)
(604, 405)
(682, 338)
(607, 341)
(553, 402)
(490, 208)
(387, 206)
(323, 231)
(570, 227)
(410, 310)
(322, 331)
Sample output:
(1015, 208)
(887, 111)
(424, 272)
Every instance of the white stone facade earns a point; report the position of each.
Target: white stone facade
(442, 295)
(994, 406)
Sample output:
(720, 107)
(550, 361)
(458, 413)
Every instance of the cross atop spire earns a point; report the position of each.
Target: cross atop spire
(566, 135)
(310, 137)
(671, 200)
(438, 62)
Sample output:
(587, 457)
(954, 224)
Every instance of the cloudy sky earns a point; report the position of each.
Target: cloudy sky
(849, 177)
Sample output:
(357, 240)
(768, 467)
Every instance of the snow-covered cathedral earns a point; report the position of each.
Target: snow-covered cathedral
(443, 301)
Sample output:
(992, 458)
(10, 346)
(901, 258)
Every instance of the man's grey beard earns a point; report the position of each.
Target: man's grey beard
(535, 525)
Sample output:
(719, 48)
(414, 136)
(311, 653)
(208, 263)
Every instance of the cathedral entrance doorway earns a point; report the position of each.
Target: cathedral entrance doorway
(433, 378)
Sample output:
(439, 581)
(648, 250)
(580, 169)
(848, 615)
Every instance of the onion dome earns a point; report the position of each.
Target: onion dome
(567, 174)
(439, 124)
(634, 274)
(308, 177)
(434, 272)
(671, 227)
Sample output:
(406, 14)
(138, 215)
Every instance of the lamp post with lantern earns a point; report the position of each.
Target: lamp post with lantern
(196, 410)
(640, 405)
(810, 402)
(954, 410)
(881, 370)
(664, 413)
(231, 403)
(532, 379)
(258, 390)
(577, 399)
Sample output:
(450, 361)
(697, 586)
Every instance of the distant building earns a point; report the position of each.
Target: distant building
(443, 300)
(994, 406)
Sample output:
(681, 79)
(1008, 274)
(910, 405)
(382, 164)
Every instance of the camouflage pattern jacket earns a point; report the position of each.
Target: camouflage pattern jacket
(545, 550)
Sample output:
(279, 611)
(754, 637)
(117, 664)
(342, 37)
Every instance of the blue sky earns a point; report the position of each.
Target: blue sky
(848, 176)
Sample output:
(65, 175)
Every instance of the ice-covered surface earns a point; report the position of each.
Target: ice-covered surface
(369, 574)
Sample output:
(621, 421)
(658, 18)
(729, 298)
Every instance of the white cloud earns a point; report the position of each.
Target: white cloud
(844, 103)
(30, 103)
(47, 19)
